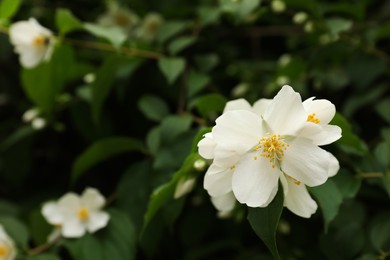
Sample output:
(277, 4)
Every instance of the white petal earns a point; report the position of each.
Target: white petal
(206, 146)
(298, 200)
(69, 202)
(73, 228)
(324, 109)
(334, 166)
(261, 105)
(321, 135)
(238, 104)
(237, 130)
(92, 199)
(97, 220)
(225, 158)
(255, 182)
(52, 213)
(225, 202)
(32, 57)
(218, 183)
(306, 162)
(286, 115)
(183, 187)
(284, 183)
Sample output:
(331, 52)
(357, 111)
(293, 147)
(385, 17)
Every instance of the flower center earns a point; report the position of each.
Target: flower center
(272, 147)
(83, 213)
(312, 118)
(40, 41)
(4, 250)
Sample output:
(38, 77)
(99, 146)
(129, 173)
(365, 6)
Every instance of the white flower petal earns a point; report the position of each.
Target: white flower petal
(261, 105)
(334, 165)
(225, 202)
(324, 109)
(52, 213)
(238, 104)
(206, 146)
(73, 228)
(255, 182)
(97, 220)
(306, 162)
(92, 199)
(218, 183)
(225, 158)
(70, 201)
(321, 135)
(237, 130)
(299, 201)
(286, 115)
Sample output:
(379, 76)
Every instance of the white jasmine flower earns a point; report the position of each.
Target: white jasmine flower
(38, 123)
(150, 27)
(7, 246)
(184, 186)
(30, 114)
(253, 147)
(119, 16)
(278, 6)
(300, 17)
(76, 215)
(33, 42)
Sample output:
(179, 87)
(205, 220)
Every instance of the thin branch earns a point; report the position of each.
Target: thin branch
(367, 175)
(41, 248)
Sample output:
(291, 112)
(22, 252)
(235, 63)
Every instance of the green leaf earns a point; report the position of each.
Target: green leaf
(347, 184)
(240, 9)
(383, 108)
(171, 68)
(349, 141)
(153, 107)
(101, 87)
(153, 140)
(40, 229)
(16, 230)
(264, 221)
(209, 105)
(45, 82)
(208, 15)
(207, 62)
(8, 8)
(196, 82)
(330, 198)
(173, 126)
(46, 256)
(338, 25)
(112, 34)
(170, 29)
(380, 232)
(8, 208)
(102, 150)
(66, 21)
(180, 44)
(164, 193)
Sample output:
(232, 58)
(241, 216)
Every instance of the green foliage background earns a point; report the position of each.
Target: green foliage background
(132, 132)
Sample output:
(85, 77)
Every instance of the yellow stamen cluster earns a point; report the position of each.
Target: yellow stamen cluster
(312, 118)
(83, 213)
(40, 41)
(271, 147)
(4, 251)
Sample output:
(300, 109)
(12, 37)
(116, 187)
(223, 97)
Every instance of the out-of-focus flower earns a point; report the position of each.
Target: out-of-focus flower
(38, 123)
(7, 246)
(184, 186)
(119, 16)
(89, 78)
(278, 6)
(282, 80)
(75, 215)
(300, 17)
(150, 26)
(33, 42)
(254, 147)
(284, 60)
(200, 165)
(30, 115)
(309, 27)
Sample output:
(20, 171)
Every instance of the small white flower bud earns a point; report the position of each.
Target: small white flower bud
(38, 123)
(224, 214)
(278, 6)
(282, 80)
(200, 165)
(284, 60)
(183, 187)
(240, 90)
(30, 114)
(89, 78)
(300, 17)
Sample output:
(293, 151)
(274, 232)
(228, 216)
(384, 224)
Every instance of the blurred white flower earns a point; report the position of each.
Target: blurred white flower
(76, 215)
(284, 60)
(300, 17)
(119, 16)
(282, 80)
(200, 165)
(184, 186)
(278, 6)
(89, 78)
(33, 42)
(254, 147)
(30, 114)
(150, 26)
(38, 123)
(309, 27)
(7, 246)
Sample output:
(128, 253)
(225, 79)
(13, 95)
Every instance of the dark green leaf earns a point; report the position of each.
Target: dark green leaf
(153, 107)
(383, 108)
(171, 68)
(113, 34)
(180, 44)
(347, 183)
(102, 150)
(66, 21)
(8, 8)
(196, 82)
(380, 232)
(209, 105)
(173, 126)
(170, 29)
(330, 198)
(264, 221)
(45, 256)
